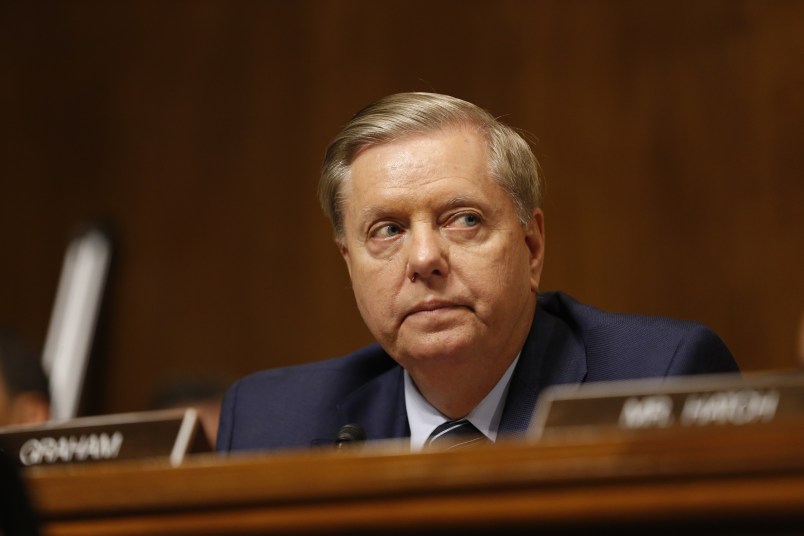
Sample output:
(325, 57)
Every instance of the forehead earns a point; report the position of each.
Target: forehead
(454, 152)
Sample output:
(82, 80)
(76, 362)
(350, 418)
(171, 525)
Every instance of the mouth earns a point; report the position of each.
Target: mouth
(434, 307)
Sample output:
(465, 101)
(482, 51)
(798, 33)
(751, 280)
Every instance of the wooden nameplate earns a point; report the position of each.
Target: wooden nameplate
(680, 402)
(169, 434)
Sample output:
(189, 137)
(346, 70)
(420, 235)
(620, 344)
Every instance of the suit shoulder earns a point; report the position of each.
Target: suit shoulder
(331, 376)
(587, 318)
(620, 345)
(288, 406)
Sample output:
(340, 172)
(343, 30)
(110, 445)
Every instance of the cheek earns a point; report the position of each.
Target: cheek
(375, 289)
(497, 279)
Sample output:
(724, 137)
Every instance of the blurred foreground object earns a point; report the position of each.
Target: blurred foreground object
(75, 314)
(17, 518)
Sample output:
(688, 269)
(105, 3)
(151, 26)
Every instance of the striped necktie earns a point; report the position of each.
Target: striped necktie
(458, 434)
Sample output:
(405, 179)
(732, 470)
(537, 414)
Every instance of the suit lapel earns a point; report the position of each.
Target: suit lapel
(378, 406)
(552, 355)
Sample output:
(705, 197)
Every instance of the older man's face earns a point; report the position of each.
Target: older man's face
(441, 267)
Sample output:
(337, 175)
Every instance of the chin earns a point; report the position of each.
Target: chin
(437, 349)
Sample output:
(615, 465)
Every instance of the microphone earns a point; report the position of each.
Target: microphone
(349, 433)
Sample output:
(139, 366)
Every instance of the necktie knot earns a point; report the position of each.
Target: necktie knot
(457, 434)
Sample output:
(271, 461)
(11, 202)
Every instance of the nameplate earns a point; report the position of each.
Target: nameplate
(168, 434)
(682, 402)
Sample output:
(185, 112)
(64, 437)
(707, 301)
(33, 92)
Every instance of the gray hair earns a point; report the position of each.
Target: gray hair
(511, 161)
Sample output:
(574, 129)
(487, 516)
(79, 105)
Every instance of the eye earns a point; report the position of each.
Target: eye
(465, 219)
(386, 230)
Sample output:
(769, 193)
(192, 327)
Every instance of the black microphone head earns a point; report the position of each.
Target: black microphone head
(350, 433)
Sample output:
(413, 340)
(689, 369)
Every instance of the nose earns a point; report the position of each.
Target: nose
(427, 254)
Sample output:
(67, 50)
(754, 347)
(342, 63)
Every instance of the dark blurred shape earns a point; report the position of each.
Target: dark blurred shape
(24, 392)
(202, 394)
(17, 517)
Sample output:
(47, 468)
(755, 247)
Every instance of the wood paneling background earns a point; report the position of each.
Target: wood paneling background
(670, 134)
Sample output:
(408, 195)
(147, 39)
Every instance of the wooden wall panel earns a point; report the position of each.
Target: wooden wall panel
(670, 136)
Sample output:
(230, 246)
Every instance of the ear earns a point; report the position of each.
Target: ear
(344, 249)
(534, 238)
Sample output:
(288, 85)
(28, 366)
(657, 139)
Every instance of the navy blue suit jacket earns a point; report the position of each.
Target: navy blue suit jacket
(569, 342)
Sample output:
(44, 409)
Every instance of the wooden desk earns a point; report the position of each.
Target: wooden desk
(705, 481)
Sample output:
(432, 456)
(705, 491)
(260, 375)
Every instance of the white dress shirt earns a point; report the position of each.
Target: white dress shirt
(423, 418)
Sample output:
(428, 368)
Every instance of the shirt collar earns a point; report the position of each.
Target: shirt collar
(423, 418)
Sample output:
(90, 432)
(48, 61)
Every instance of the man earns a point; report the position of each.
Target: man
(436, 211)
(24, 392)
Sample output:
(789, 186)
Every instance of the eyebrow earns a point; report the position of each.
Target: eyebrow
(373, 212)
(459, 201)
